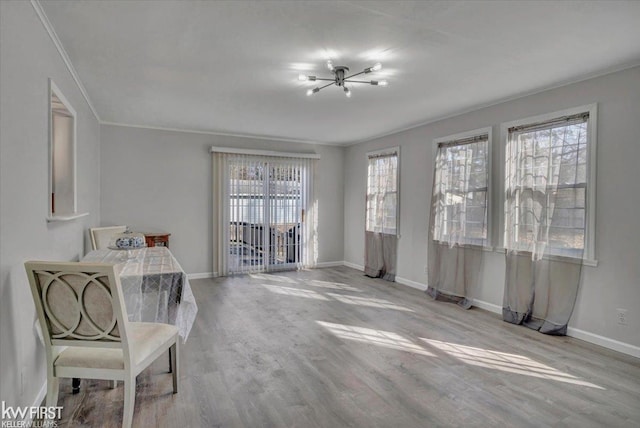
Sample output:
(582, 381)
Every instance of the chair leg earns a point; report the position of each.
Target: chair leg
(52, 390)
(129, 401)
(170, 360)
(175, 364)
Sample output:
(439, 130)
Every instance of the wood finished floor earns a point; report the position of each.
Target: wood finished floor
(332, 348)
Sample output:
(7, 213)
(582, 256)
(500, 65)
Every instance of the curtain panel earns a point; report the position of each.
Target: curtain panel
(221, 213)
(381, 216)
(545, 222)
(458, 219)
(381, 254)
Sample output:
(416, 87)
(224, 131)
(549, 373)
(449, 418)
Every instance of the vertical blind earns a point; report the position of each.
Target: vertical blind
(264, 216)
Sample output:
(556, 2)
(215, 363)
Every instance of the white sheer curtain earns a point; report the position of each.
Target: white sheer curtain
(264, 212)
(545, 221)
(458, 221)
(381, 217)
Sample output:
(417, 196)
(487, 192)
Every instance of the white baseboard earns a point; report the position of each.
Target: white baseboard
(497, 309)
(203, 275)
(625, 348)
(410, 283)
(37, 403)
(41, 394)
(353, 266)
(329, 264)
(399, 279)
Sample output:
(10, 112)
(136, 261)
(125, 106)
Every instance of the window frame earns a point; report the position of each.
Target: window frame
(71, 211)
(461, 136)
(589, 254)
(376, 153)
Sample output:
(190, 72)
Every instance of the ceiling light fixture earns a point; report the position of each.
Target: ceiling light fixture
(339, 79)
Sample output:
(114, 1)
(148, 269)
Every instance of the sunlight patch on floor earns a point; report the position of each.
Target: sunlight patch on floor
(309, 294)
(333, 285)
(382, 338)
(368, 301)
(511, 363)
(270, 277)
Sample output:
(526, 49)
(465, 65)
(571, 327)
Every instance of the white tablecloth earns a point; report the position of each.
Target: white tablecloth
(155, 287)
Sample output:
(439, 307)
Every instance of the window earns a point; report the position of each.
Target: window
(382, 192)
(549, 184)
(461, 189)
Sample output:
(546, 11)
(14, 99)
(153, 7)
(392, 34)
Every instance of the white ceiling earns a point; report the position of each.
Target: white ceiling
(232, 67)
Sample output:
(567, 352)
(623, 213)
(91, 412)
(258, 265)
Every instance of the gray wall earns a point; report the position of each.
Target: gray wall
(615, 282)
(155, 179)
(28, 58)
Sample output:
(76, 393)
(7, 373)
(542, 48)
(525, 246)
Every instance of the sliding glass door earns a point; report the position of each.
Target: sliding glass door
(267, 200)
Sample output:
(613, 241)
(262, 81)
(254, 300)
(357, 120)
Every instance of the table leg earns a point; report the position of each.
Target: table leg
(75, 385)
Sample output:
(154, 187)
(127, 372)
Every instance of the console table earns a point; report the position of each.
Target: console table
(158, 239)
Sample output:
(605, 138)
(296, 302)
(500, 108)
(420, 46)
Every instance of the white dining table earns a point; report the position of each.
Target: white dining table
(154, 286)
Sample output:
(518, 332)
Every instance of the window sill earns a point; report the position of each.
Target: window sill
(397, 235)
(585, 262)
(470, 246)
(62, 218)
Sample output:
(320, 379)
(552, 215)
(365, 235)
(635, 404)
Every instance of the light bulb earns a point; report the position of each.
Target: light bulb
(303, 78)
(377, 66)
(312, 91)
(347, 92)
(383, 83)
(330, 65)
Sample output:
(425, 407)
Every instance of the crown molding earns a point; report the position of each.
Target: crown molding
(221, 134)
(65, 58)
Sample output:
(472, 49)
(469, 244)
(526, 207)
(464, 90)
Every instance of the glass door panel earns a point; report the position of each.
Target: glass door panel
(266, 213)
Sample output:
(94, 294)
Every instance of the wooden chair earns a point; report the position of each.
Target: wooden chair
(101, 236)
(86, 331)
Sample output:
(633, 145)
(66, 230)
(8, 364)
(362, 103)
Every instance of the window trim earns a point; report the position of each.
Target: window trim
(488, 130)
(382, 152)
(72, 212)
(589, 256)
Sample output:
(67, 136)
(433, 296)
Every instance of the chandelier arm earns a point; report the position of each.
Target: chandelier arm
(358, 81)
(328, 80)
(328, 84)
(354, 75)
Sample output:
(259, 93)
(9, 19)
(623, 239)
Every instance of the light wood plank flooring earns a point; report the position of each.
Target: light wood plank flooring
(332, 348)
